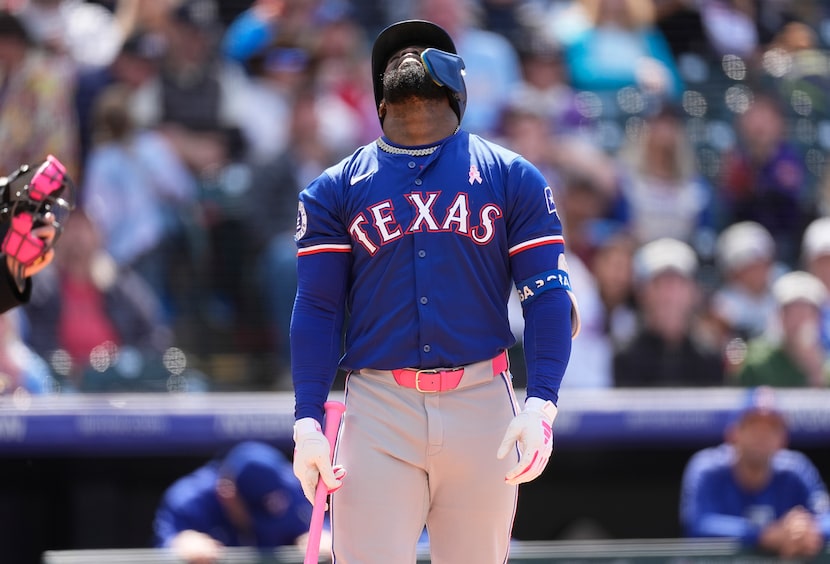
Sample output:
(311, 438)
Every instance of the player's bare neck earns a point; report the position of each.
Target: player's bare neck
(419, 123)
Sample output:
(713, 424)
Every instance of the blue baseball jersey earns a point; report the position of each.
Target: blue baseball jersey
(423, 250)
(712, 503)
(191, 503)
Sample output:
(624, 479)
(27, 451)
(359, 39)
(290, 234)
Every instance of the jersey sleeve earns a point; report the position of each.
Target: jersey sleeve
(323, 263)
(535, 238)
(537, 257)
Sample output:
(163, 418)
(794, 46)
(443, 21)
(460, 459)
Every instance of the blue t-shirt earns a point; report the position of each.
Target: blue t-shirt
(712, 504)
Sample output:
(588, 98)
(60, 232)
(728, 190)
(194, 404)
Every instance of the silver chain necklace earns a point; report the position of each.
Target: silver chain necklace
(387, 148)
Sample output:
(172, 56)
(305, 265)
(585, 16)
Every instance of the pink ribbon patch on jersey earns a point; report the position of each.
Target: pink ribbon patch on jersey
(475, 175)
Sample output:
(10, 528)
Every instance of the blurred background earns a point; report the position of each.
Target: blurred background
(190, 126)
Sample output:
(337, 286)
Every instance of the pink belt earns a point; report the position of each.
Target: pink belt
(442, 380)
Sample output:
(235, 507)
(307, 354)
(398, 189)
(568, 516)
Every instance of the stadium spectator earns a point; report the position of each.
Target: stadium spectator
(754, 489)
(663, 193)
(545, 83)
(816, 256)
(100, 327)
(742, 305)
(88, 34)
(791, 355)
(249, 497)
(612, 265)
(527, 129)
(275, 80)
(621, 47)
(667, 350)
(196, 89)
(136, 190)
(135, 64)
(21, 368)
(342, 78)
(764, 177)
(314, 41)
(272, 215)
(36, 103)
(583, 202)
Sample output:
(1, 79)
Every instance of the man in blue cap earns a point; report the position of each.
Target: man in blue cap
(248, 498)
(752, 488)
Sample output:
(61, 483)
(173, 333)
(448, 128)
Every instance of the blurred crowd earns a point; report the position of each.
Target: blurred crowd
(686, 141)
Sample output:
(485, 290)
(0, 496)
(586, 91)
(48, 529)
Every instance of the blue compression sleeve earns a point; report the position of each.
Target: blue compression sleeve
(316, 329)
(547, 343)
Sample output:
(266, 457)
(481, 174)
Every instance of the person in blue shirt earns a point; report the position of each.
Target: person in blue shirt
(756, 490)
(249, 497)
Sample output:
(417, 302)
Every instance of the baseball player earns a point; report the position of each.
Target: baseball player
(754, 489)
(248, 497)
(419, 238)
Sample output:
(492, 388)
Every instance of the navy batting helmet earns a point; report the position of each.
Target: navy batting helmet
(441, 59)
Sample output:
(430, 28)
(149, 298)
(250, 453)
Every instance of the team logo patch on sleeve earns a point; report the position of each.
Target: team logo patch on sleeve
(302, 222)
(549, 200)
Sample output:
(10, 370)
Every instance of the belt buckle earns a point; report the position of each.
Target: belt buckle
(418, 380)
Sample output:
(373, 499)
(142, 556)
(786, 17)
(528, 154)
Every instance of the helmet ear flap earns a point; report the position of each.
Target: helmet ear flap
(447, 70)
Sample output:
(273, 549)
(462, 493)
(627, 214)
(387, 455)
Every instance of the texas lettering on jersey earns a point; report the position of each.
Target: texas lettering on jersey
(378, 225)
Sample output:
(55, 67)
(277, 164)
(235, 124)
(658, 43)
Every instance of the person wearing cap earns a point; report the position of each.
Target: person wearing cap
(754, 489)
(413, 245)
(815, 251)
(790, 354)
(743, 304)
(666, 350)
(249, 497)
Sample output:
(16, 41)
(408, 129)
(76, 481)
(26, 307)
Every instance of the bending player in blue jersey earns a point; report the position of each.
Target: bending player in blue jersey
(249, 498)
(419, 238)
(754, 489)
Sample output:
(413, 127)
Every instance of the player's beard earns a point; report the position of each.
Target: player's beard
(410, 81)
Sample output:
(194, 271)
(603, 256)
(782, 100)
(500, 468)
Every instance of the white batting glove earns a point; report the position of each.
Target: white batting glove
(312, 458)
(531, 429)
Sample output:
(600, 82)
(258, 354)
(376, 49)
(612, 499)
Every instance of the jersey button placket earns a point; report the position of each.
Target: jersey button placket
(422, 275)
